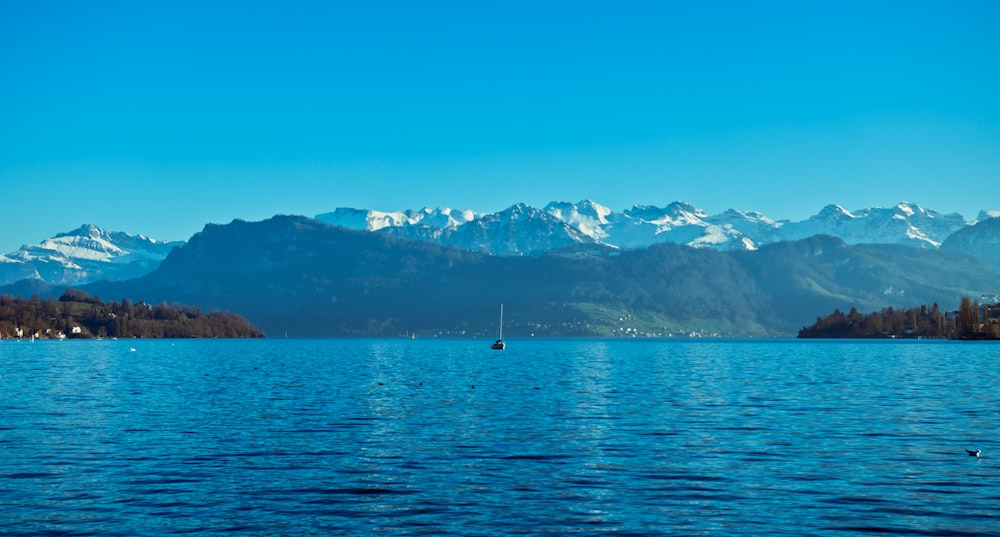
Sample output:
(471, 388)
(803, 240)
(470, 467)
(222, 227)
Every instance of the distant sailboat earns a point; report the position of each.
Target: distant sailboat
(499, 344)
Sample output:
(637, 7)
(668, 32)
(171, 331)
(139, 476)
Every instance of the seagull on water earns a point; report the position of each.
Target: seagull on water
(973, 453)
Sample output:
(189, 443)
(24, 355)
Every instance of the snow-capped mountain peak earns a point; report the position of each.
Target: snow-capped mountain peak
(904, 223)
(675, 214)
(833, 212)
(909, 209)
(87, 242)
(83, 255)
(986, 215)
(372, 220)
(588, 217)
(644, 225)
(443, 218)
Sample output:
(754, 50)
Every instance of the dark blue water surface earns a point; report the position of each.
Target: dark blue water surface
(432, 437)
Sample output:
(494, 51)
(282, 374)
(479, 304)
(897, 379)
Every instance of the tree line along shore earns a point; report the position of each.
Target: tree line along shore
(972, 321)
(77, 315)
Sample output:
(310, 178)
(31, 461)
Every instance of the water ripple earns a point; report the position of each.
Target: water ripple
(549, 437)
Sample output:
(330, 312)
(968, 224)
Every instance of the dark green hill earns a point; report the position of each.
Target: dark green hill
(302, 277)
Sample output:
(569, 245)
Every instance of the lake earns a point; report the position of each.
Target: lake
(447, 437)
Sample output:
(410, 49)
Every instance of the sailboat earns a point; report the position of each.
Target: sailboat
(499, 344)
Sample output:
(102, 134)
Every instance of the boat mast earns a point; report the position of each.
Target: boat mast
(501, 321)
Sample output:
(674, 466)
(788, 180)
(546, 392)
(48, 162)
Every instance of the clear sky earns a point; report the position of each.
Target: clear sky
(160, 117)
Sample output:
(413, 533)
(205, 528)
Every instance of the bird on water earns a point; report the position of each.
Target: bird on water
(973, 453)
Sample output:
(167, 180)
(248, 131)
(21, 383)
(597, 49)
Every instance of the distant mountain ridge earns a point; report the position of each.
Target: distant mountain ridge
(85, 254)
(528, 231)
(89, 253)
(981, 240)
(306, 278)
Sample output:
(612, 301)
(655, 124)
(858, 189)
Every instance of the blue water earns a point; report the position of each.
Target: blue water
(431, 437)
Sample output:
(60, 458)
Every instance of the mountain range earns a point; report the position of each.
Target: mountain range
(524, 230)
(307, 278)
(565, 270)
(90, 253)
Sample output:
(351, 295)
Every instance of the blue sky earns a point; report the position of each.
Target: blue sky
(160, 117)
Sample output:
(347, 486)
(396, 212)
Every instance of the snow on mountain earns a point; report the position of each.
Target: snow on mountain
(906, 223)
(587, 217)
(89, 253)
(441, 218)
(369, 220)
(645, 225)
(349, 218)
(751, 229)
(986, 215)
(682, 223)
(980, 240)
(86, 254)
(517, 230)
(676, 214)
